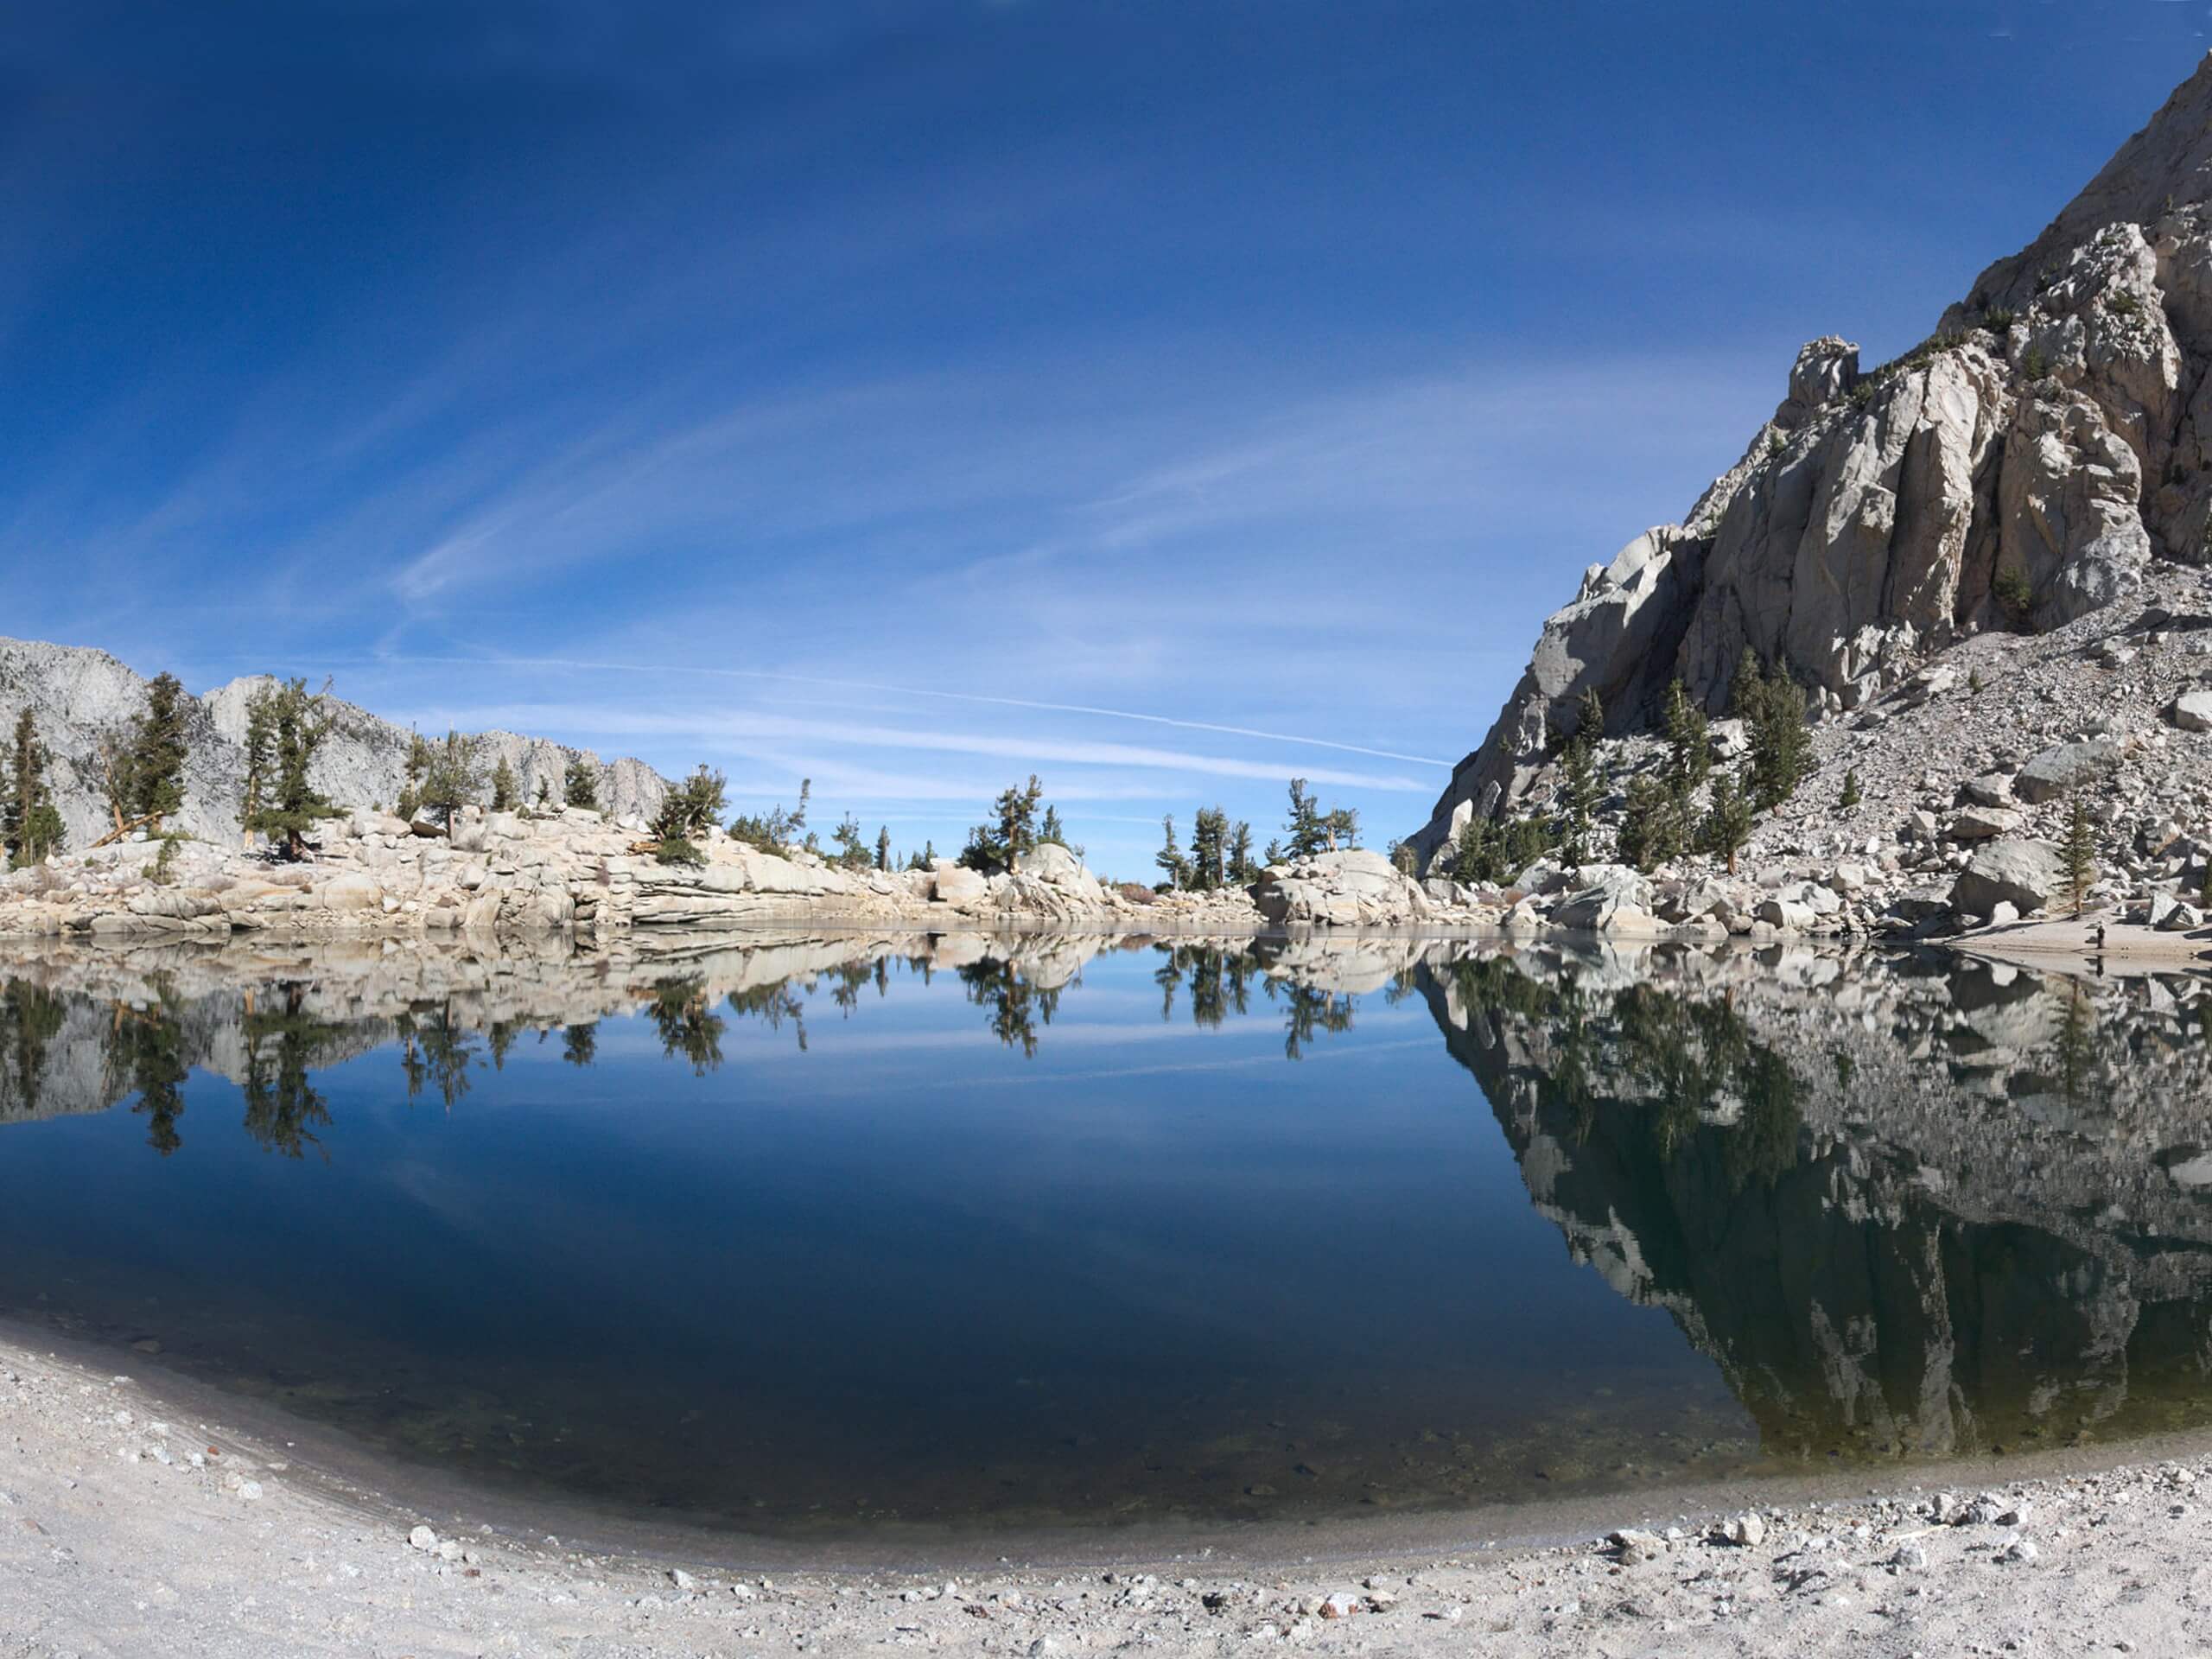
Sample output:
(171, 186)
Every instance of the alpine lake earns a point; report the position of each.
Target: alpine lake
(820, 1234)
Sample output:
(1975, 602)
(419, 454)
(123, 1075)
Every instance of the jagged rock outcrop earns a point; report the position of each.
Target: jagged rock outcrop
(2026, 465)
(79, 697)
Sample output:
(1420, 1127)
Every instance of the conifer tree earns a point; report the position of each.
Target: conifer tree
(410, 788)
(284, 728)
(506, 792)
(157, 752)
(1690, 751)
(852, 850)
(28, 818)
(1772, 707)
(454, 777)
(1341, 827)
(2080, 854)
(701, 800)
(1851, 797)
(1654, 828)
(1170, 857)
(1305, 832)
(1050, 829)
(1209, 859)
(883, 847)
(1243, 872)
(579, 784)
(672, 842)
(1475, 852)
(1590, 718)
(1728, 823)
(545, 793)
(1578, 799)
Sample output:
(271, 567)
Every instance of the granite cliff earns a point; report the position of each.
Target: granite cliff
(2035, 461)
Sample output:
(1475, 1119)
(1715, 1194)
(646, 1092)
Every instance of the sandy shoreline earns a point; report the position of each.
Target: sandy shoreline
(142, 1513)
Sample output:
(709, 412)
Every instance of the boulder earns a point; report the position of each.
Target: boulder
(1342, 888)
(2060, 770)
(955, 884)
(2021, 873)
(2192, 711)
(1981, 823)
(349, 892)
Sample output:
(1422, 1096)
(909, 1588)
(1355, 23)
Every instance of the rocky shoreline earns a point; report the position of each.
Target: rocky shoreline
(139, 1523)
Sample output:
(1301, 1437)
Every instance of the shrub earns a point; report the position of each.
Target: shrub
(1997, 319)
(2014, 594)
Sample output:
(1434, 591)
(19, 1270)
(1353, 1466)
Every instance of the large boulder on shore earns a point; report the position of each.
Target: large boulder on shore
(2023, 873)
(1347, 888)
(955, 884)
(1607, 898)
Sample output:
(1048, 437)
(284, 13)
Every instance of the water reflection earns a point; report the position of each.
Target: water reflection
(1904, 1205)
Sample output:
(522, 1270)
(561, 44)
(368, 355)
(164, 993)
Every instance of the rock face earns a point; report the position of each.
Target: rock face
(78, 697)
(2023, 465)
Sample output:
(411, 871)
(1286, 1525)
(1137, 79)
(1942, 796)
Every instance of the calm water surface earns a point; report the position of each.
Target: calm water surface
(815, 1235)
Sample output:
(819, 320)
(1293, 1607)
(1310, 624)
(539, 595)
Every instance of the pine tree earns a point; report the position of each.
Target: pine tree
(1209, 849)
(1746, 688)
(1476, 855)
(1170, 858)
(1690, 751)
(284, 728)
(1342, 827)
(545, 793)
(1050, 829)
(157, 752)
(1017, 820)
(1590, 718)
(1773, 708)
(883, 847)
(2081, 856)
(1728, 823)
(29, 817)
(1578, 799)
(580, 785)
(1653, 826)
(1243, 872)
(701, 800)
(852, 850)
(506, 792)
(1305, 833)
(410, 788)
(1851, 797)
(454, 777)
(671, 830)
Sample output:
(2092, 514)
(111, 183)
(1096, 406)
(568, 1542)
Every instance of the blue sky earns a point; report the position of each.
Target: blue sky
(913, 396)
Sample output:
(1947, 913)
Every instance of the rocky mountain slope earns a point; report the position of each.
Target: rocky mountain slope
(2037, 460)
(79, 696)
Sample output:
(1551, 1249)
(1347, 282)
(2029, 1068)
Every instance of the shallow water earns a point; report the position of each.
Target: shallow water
(813, 1234)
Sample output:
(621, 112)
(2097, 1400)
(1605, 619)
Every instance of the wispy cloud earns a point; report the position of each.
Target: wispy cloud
(714, 729)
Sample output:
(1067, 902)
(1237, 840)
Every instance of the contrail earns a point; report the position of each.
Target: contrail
(917, 691)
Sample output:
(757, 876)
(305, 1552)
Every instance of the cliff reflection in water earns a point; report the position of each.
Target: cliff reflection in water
(1907, 1205)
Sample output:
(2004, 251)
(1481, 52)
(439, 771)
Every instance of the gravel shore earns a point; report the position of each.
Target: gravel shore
(128, 1527)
